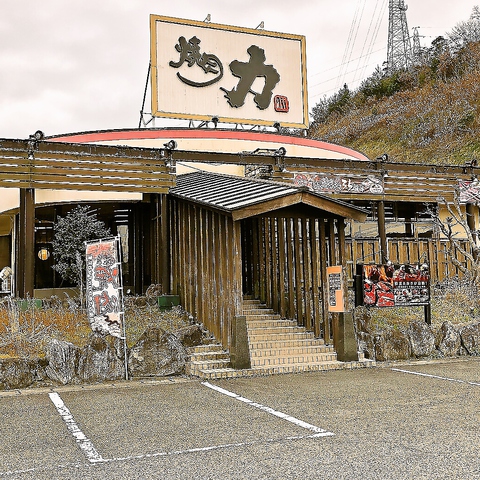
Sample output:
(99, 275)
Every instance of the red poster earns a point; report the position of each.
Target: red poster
(104, 287)
(396, 285)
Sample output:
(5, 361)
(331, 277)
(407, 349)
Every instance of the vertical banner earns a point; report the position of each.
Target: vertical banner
(336, 296)
(104, 287)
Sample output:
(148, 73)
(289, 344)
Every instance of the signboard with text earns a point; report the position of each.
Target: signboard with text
(395, 285)
(203, 70)
(104, 287)
(336, 297)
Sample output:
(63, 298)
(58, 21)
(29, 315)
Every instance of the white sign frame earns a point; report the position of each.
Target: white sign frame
(179, 75)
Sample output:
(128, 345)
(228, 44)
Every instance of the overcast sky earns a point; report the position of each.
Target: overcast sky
(79, 65)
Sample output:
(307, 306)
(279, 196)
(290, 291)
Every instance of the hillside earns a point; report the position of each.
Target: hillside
(428, 114)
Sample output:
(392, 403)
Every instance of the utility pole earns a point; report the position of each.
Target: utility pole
(399, 50)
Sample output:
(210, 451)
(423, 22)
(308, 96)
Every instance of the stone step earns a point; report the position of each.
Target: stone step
(273, 330)
(269, 322)
(279, 336)
(295, 350)
(259, 311)
(284, 369)
(194, 368)
(210, 355)
(286, 343)
(211, 347)
(293, 360)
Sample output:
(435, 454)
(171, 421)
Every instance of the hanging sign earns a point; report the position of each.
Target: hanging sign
(104, 287)
(336, 296)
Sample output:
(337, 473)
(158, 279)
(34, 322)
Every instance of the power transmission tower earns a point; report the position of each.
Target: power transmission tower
(399, 50)
(417, 51)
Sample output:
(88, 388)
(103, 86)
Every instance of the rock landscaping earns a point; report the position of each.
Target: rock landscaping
(416, 340)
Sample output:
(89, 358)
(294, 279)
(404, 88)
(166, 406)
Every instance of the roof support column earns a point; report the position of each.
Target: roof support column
(237, 267)
(25, 275)
(382, 231)
(344, 334)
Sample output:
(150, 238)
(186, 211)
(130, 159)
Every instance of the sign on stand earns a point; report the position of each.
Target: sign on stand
(104, 289)
(393, 285)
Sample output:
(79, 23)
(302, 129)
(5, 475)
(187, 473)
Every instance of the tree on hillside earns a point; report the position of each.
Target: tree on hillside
(456, 227)
(70, 233)
(339, 103)
(466, 32)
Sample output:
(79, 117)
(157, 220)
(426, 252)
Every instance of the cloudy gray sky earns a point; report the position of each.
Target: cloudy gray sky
(78, 65)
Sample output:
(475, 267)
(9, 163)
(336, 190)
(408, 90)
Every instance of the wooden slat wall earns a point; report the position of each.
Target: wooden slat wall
(292, 257)
(206, 269)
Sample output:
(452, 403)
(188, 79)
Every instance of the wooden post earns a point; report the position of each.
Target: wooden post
(165, 251)
(25, 276)
(382, 231)
(237, 268)
(323, 276)
(345, 341)
(470, 210)
(291, 271)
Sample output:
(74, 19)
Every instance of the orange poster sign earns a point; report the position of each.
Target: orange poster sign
(336, 297)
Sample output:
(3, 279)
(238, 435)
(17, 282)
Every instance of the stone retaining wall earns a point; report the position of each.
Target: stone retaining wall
(418, 340)
(156, 353)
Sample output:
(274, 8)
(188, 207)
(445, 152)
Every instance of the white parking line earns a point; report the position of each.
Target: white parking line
(83, 442)
(320, 432)
(436, 376)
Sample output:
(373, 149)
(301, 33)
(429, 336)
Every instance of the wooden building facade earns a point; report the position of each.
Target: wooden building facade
(233, 236)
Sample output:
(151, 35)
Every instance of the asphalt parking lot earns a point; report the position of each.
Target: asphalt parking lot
(410, 421)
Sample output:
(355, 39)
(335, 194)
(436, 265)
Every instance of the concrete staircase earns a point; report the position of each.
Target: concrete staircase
(276, 346)
(282, 344)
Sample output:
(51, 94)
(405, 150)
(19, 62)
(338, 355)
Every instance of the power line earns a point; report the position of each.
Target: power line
(352, 37)
(373, 39)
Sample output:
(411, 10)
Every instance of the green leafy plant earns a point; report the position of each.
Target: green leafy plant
(70, 232)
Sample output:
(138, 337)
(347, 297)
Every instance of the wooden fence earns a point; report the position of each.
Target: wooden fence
(205, 268)
(433, 252)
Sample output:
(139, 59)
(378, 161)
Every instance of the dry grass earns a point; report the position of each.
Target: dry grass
(26, 328)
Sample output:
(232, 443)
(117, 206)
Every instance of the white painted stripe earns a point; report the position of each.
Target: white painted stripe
(213, 447)
(83, 442)
(436, 376)
(168, 454)
(300, 423)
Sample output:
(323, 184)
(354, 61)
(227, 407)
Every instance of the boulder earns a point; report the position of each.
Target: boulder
(190, 336)
(422, 340)
(448, 341)
(157, 353)
(470, 336)
(366, 345)
(62, 361)
(363, 320)
(19, 372)
(101, 359)
(392, 345)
